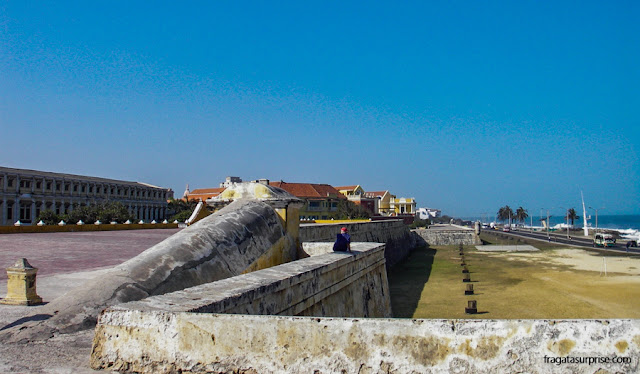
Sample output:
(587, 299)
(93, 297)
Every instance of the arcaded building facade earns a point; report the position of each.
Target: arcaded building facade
(25, 193)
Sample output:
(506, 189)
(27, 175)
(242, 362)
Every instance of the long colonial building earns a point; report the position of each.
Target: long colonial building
(25, 193)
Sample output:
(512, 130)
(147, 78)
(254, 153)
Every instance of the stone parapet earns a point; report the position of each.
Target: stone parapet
(396, 236)
(332, 284)
(448, 235)
(164, 342)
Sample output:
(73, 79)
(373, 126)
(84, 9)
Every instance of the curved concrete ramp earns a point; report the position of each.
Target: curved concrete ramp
(245, 235)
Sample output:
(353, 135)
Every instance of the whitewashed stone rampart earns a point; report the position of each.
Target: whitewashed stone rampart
(168, 342)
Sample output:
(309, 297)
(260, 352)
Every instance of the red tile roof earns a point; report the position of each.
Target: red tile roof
(309, 190)
(346, 188)
(205, 193)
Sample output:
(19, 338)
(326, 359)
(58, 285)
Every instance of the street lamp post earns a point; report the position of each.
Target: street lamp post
(548, 235)
(568, 238)
(567, 218)
(596, 217)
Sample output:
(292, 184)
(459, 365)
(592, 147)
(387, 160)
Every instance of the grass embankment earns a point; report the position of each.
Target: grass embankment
(555, 283)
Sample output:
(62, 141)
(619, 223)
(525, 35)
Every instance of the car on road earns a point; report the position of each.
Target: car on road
(603, 240)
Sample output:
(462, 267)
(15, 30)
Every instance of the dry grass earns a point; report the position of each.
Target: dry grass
(562, 283)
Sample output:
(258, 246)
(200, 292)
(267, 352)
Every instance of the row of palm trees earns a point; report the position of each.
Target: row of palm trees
(506, 213)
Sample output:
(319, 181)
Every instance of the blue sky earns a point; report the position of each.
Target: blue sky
(465, 105)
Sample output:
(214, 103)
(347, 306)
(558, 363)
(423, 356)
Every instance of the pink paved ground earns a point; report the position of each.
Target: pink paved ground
(67, 252)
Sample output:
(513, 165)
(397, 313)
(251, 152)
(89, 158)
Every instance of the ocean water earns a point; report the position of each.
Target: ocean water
(629, 224)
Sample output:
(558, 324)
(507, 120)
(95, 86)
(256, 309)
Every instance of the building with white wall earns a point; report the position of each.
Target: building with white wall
(25, 193)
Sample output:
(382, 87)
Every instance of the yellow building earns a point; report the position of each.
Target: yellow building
(403, 205)
(383, 201)
(320, 200)
(358, 196)
(350, 190)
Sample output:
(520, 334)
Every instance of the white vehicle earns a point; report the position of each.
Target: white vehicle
(603, 240)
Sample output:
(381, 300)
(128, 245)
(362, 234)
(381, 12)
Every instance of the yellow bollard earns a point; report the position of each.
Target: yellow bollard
(21, 285)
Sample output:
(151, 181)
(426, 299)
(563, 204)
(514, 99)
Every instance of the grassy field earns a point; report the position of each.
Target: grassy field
(552, 283)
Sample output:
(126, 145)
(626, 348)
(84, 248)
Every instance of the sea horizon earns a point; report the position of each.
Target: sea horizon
(608, 221)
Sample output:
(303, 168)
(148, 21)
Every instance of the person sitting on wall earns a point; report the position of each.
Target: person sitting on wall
(343, 241)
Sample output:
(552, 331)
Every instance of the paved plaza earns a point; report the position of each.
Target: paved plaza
(65, 260)
(69, 252)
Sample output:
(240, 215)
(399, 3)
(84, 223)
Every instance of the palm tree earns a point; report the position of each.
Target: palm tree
(571, 215)
(521, 214)
(505, 213)
(177, 206)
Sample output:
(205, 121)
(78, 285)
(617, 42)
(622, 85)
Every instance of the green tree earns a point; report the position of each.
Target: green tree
(419, 223)
(49, 217)
(182, 216)
(114, 212)
(521, 214)
(179, 209)
(505, 213)
(349, 210)
(88, 214)
(571, 215)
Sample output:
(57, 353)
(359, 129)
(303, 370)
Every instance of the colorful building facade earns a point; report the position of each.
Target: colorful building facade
(202, 194)
(382, 201)
(403, 205)
(357, 195)
(320, 200)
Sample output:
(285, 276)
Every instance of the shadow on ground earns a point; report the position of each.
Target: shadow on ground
(36, 317)
(407, 279)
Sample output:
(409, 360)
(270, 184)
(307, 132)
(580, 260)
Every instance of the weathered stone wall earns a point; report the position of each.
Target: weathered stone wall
(246, 235)
(399, 241)
(450, 236)
(332, 284)
(162, 342)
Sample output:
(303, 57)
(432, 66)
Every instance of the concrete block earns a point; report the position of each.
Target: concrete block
(21, 284)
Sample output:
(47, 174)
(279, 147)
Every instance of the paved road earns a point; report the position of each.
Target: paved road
(68, 252)
(576, 241)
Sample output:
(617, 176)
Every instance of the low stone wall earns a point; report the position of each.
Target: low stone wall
(331, 284)
(83, 228)
(163, 342)
(451, 235)
(396, 236)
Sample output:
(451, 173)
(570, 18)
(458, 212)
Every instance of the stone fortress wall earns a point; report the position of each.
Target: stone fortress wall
(280, 314)
(448, 235)
(169, 342)
(327, 285)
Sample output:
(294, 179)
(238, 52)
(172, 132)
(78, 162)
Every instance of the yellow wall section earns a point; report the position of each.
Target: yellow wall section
(278, 253)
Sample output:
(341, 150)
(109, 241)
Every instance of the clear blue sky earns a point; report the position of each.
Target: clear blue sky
(465, 105)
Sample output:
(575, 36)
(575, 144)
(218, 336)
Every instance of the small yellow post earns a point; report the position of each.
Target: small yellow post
(21, 285)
